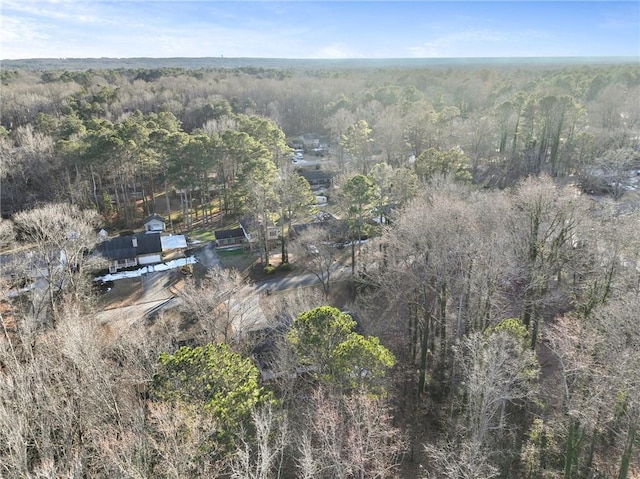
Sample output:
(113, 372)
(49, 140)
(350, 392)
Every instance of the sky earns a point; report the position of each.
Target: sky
(317, 29)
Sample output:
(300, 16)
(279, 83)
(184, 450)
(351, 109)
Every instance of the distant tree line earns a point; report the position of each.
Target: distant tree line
(66, 134)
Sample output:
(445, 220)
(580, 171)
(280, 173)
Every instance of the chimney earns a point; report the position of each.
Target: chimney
(135, 242)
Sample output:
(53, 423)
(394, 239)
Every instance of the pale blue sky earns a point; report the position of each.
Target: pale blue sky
(311, 29)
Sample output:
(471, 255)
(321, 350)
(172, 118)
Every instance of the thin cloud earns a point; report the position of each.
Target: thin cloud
(621, 21)
(446, 44)
(476, 43)
(14, 30)
(211, 40)
(335, 51)
(66, 10)
(308, 29)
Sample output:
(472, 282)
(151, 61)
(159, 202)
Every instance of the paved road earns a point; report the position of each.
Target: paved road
(300, 280)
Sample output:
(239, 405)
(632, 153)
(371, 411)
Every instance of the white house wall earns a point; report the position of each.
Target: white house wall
(150, 259)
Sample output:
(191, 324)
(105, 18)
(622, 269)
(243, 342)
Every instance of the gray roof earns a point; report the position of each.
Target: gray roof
(122, 246)
(317, 175)
(154, 216)
(233, 233)
(173, 242)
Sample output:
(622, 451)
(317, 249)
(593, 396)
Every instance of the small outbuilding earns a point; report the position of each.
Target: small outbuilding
(154, 224)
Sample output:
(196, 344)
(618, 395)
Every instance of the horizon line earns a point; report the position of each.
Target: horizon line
(327, 58)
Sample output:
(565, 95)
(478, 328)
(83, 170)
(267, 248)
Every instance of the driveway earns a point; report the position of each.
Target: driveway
(134, 298)
(207, 255)
(152, 292)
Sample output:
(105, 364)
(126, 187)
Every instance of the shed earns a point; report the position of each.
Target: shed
(154, 224)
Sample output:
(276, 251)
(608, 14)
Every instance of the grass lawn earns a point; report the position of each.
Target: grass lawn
(236, 258)
(202, 234)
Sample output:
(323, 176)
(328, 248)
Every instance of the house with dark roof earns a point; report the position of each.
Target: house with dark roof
(133, 250)
(317, 179)
(231, 238)
(139, 250)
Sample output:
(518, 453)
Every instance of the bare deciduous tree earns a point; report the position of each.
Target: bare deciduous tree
(183, 438)
(221, 304)
(459, 461)
(316, 252)
(62, 236)
(600, 379)
(349, 437)
(546, 222)
(261, 456)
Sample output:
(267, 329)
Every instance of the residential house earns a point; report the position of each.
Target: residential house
(173, 243)
(314, 142)
(256, 225)
(139, 250)
(231, 238)
(382, 214)
(311, 142)
(318, 179)
(131, 250)
(273, 234)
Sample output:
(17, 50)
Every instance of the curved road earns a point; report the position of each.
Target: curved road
(299, 280)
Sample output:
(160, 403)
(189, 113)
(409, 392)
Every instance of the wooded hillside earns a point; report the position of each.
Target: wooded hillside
(478, 281)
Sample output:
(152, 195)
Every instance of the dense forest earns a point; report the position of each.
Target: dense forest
(488, 324)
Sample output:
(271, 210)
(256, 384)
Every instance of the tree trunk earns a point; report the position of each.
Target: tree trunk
(168, 201)
(443, 322)
(424, 350)
(625, 460)
(95, 189)
(572, 450)
(353, 258)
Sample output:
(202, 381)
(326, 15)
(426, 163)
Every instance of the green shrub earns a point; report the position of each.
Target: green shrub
(285, 267)
(269, 269)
